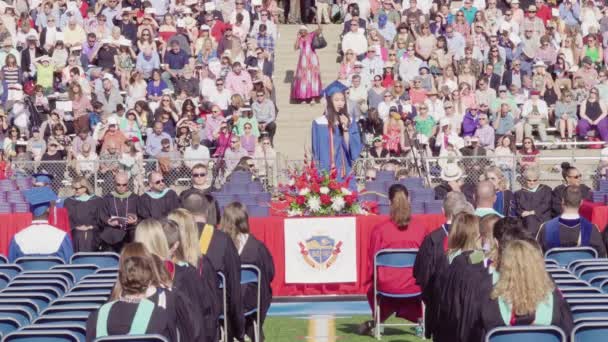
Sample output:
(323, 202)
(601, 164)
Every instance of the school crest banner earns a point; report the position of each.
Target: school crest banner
(320, 250)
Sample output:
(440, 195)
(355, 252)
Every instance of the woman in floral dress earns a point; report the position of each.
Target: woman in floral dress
(307, 79)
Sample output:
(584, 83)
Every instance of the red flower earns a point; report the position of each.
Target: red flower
(333, 185)
(349, 199)
(325, 199)
(315, 187)
(300, 200)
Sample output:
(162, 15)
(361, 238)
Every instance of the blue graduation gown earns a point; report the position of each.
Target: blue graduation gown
(344, 155)
(41, 239)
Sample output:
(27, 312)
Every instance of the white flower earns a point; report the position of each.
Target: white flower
(337, 203)
(314, 204)
(345, 191)
(292, 182)
(294, 212)
(304, 192)
(324, 190)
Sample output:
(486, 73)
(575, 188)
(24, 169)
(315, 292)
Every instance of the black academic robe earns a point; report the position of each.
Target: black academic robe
(507, 209)
(255, 253)
(200, 287)
(558, 192)
(116, 206)
(431, 260)
(569, 236)
(171, 313)
(157, 208)
(225, 258)
(538, 201)
(84, 213)
(562, 317)
(458, 289)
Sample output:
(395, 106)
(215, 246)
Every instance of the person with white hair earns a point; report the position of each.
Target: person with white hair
(532, 202)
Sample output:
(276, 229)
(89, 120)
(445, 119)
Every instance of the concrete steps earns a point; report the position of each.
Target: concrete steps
(294, 120)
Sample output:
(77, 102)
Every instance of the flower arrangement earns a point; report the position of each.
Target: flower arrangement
(311, 192)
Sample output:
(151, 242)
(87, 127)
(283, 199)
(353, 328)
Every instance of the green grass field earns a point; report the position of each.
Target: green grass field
(285, 329)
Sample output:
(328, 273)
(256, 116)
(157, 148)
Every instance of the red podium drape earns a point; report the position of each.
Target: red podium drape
(270, 231)
(597, 213)
(11, 224)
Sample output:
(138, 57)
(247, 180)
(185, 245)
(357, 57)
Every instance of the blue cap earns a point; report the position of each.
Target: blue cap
(39, 199)
(334, 87)
(42, 178)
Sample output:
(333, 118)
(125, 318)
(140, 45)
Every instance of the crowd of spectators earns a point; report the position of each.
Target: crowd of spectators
(104, 85)
(491, 74)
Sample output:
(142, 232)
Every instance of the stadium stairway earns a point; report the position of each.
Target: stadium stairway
(294, 120)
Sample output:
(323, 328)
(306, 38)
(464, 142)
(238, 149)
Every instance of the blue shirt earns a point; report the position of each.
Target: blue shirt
(153, 145)
(505, 125)
(146, 65)
(178, 60)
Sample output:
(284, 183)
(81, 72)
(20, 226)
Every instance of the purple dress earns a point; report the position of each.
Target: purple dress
(307, 80)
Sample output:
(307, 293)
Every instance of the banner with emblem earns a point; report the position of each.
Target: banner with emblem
(320, 250)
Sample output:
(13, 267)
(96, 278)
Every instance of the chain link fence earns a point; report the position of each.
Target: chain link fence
(177, 173)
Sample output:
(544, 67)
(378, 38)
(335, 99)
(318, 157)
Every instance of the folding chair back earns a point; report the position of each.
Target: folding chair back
(592, 271)
(29, 283)
(11, 270)
(41, 300)
(595, 311)
(66, 319)
(101, 259)
(18, 313)
(139, 338)
(561, 283)
(526, 334)
(590, 332)
(8, 325)
(78, 271)
(576, 265)
(565, 255)
(77, 329)
(67, 275)
(75, 310)
(221, 278)
(48, 335)
(33, 263)
(588, 290)
(251, 275)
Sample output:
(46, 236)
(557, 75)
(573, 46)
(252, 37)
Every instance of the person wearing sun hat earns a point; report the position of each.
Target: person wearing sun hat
(41, 238)
(452, 179)
(534, 114)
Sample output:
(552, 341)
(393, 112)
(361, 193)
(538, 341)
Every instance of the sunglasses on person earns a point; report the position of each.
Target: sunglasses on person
(76, 188)
(370, 178)
(234, 141)
(575, 176)
(160, 181)
(531, 180)
(122, 185)
(197, 175)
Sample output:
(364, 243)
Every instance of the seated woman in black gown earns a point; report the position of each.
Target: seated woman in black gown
(235, 223)
(523, 293)
(140, 304)
(571, 176)
(83, 210)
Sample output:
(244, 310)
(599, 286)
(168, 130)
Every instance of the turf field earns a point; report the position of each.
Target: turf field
(341, 328)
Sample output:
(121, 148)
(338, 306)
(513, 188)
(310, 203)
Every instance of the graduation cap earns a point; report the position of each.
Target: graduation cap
(334, 87)
(42, 178)
(39, 199)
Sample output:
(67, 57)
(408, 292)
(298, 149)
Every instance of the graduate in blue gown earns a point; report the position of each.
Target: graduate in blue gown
(336, 142)
(40, 238)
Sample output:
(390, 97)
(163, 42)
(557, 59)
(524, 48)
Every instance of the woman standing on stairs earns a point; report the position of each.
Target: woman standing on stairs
(306, 84)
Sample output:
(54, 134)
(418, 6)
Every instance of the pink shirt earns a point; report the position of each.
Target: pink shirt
(239, 84)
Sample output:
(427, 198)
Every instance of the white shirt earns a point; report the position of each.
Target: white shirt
(373, 66)
(194, 156)
(541, 106)
(87, 163)
(222, 99)
(408, 68)
(435, 108)
(354, 41)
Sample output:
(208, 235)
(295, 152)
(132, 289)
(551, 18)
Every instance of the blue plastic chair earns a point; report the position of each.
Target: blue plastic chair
(562, 283)
(74, 310)
(139, 338)
(597, 281)
(586, 290)
(29, 305)
(67, 319)
(34, 263)
(589, 311)
(79, 301)
(43, 278)
(590, 332)
(40, 299)
(30, 284)
(69, 277)
(565, 255)
(88, 289)
(78, 329)
(41, 336)
(101, 259)
(49, 291)
(397, 259)
(20, 314)
(221, 278)
(11, 270)
(8, 325)
(592, 271)
(574, 265)
(526, 334)
(251, 274)
(3, 259)
(78, 271)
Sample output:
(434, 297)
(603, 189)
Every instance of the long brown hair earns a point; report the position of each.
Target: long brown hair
(235, 221)
(464, 233)
(401, 212)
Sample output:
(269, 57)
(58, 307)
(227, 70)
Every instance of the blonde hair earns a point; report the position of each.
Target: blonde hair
(464, 233)
(524, 282)
(150, 233)
(188, 235)
(83, 182)
(503, 183)
(235, 221)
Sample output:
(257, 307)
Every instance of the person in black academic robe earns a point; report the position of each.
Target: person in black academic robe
(431, 259)
(200, 287)
(83, 211)
(118, 215)
(254, 252)
(159, 201)
(570, 229)
(532, 203)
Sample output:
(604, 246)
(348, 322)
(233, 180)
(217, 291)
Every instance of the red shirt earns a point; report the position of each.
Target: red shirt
(387, 235)
(544, 13)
